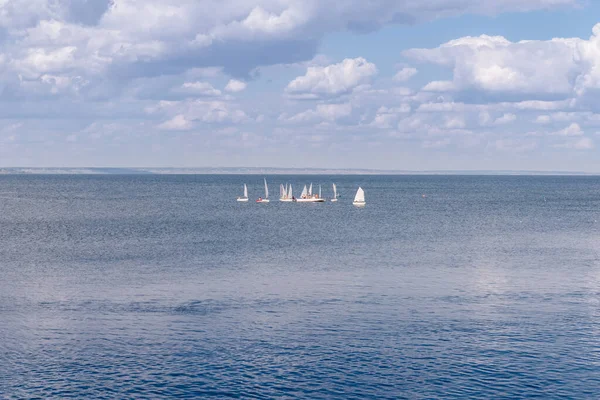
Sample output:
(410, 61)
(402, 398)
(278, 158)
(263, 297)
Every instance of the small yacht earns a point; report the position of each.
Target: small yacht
(359, 199)
(266, 198)
(286, 193)
(335, 195)
(308, 197)
(245, 197)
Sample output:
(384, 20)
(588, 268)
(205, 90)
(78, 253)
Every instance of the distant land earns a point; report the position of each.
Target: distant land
(264, 171)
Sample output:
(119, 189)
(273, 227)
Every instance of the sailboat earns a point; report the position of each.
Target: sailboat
(266, 199)
(308, 197)
(245, 197)
(335, 196)
(359, 199)
(286, 193)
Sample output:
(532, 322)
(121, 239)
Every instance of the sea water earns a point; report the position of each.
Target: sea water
(153, 286)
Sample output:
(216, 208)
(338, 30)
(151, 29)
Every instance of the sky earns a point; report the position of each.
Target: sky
(383, 84)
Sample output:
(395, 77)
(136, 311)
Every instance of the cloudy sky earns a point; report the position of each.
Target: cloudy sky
(392, 84)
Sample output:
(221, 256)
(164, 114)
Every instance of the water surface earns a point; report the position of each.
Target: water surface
(165, 286)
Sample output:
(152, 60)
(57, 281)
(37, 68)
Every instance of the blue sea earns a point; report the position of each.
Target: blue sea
(156, 286)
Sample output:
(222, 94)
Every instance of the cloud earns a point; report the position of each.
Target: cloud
(577, 144)
(515, 145)
(455, 122)
(235, 86)
(322, 112)
(177, 123)
(543, 119)
(559, 67)
(200, 88)
(405, 74)
(386, 117)
(572, 130)
(439, 86)
(505, 119)
(198, 110)
(334, 79)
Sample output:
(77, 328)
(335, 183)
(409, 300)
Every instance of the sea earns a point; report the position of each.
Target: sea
(164, 286)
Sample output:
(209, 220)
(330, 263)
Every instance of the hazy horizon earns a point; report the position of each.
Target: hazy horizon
(275, 171)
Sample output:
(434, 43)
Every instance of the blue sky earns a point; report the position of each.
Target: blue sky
(431, 85)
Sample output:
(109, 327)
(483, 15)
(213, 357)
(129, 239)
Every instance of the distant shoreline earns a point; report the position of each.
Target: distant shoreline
(271, 171)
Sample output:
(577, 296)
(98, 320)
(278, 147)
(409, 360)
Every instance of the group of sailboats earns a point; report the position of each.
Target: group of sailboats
(307, 195)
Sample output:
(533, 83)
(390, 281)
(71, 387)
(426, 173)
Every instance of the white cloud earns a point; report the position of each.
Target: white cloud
(577, 144)
(177, 123)
(405, 74)
(484, 118)
(455, 122)
(572, 130)
(327, 112)
(333, 79)
(235, 86)
(497, 65)
(386, 117)
(505, 119)
(182, 113)
(543, 119)
(200, 88)
(439, 86)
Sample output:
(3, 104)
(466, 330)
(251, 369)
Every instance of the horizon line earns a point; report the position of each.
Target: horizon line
(274, 171)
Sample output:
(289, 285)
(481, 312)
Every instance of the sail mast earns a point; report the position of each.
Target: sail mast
(245, 191)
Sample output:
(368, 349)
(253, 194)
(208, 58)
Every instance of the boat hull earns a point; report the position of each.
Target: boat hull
(334, 200)
(286, 200)
(242, 200)
(359, 203)
(310, 200)
(263, 201)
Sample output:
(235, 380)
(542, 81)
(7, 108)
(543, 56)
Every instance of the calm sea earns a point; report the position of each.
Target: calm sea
(118, 287)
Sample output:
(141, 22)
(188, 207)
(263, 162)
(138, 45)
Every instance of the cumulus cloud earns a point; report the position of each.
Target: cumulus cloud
(439, 86)
(558, 67)
(386, 117)
(334, 79)
(235, 86)
(405, 74)
(200, 110)
(323, 112)
(505, 119)
(572, 130)
(200, 88)
(177, 123)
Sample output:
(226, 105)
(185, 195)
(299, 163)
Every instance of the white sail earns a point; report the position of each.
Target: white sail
(319, 191)
(266, 189)
(304, 192)
(310, 190)
(281, 191)
(360, 196)
(289, 193)
(245, 191)
(334, 191)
